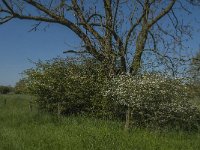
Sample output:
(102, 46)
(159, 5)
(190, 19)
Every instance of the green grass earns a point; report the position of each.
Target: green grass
(21, 129)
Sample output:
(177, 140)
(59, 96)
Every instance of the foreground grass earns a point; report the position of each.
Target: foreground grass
(21, 129)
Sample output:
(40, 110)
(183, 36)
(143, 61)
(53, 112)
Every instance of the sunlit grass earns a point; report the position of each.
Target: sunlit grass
(23, 129)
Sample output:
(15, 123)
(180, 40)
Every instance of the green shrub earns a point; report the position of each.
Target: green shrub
(20, 87)
(155, 101)
(72, 86)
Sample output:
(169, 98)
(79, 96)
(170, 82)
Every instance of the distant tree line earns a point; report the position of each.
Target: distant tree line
(6, 89)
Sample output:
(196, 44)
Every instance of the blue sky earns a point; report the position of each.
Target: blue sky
(17, 45)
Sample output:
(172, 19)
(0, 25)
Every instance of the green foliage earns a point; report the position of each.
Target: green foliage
(69, 86)
(5, 89)
(20, 87)
(155, 100)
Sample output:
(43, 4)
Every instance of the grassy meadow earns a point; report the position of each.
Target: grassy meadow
(23, 129)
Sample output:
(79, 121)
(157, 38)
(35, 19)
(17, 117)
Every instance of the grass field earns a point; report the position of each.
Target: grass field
(22, 129)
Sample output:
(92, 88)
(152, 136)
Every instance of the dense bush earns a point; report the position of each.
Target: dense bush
(5, 89)
(155, 100)
(72, 86)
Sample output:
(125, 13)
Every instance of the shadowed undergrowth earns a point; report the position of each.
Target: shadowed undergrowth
(22, 129)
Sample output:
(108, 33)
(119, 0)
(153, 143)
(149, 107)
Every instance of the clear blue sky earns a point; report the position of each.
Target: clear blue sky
(17, 45)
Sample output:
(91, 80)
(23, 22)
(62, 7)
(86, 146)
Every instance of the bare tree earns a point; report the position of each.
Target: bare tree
(121, 34)
(111, 31)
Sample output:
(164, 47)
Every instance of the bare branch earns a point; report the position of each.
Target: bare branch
(7, 5)
(75, 52)
(162, 14)
(84, 22)
(5, 19)
(115, 13)
(132, 29)
(69, 24)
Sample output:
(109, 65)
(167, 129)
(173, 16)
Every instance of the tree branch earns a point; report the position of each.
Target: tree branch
(8, 6)
(132, 29)
(85, 23)
(71, 25)
(75, 52)
(162, 14)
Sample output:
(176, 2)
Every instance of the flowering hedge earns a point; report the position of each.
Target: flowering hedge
(69, 86)
(155, 100)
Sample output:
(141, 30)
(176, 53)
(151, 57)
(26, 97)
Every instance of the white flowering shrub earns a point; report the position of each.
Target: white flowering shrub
(155, 100)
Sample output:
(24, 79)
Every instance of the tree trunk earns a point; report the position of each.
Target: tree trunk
(136, 64)
(128, 118)
(140, 45)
